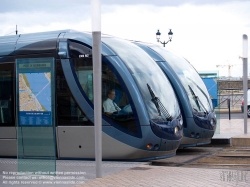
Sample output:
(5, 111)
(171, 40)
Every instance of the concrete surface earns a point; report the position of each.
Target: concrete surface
(160, 176)
(242, 140)
(69, 173)
(232, 132)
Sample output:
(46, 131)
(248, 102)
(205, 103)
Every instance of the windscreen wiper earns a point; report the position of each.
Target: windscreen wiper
(159, 106)
(202, 93)
(197, 100)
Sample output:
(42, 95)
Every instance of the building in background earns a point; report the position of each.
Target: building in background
(210, 79)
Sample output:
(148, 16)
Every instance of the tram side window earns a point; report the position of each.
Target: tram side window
(121, 114)
(116, 106)
(6, 95)
(68, 111)
(84, 72)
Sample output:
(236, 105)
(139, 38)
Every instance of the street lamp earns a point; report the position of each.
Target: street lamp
(158, 35)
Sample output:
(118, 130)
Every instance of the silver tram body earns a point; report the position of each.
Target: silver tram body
(150, 124)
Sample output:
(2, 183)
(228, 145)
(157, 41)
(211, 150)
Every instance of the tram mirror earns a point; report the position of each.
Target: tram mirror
(63, 49)
(62, 54)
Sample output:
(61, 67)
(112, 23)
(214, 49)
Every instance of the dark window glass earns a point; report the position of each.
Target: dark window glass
(116, 106)
(77, 50)
(68, 112)
(6, 95)
(117, 109)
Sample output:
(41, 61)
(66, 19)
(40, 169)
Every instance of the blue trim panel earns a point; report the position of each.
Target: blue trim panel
(204, 121)
(165, 129)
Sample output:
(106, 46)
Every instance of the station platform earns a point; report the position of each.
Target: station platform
(232, 132)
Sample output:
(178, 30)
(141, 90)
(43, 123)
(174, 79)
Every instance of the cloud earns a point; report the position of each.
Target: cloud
(60, 5)
(168, 2)
(204, 34)
(40, 5)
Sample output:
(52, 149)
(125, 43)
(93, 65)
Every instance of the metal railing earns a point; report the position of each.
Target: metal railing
(235, 100)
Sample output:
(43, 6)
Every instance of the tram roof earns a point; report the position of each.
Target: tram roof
(8, 44)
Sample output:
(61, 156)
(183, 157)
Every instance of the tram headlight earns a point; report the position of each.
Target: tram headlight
(176, 129)
(181, 121)
(212, 121)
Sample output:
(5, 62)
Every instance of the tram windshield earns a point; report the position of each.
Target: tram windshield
(116, 104)
(193, 84)
(155, 88)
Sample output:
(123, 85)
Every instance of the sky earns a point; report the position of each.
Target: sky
(208, 33)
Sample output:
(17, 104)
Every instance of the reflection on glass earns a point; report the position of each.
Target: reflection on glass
(189, 78)
(198, 102)
(68, 110)
(146, 72)
(159, 106)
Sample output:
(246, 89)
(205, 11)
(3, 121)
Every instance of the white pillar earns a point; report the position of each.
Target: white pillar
(97, 73)
(245, 78)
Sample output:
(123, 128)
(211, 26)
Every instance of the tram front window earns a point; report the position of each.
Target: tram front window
(116, 107)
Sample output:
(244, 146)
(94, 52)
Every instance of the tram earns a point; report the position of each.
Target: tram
(147, 124)
(196, 106)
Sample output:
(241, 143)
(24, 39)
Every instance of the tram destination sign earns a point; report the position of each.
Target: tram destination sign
(34, 91)
(34, 65)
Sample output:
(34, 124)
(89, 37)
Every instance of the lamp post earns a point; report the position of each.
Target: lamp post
(158, 35)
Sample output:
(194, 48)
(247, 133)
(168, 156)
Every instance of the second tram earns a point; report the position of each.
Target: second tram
(196, 106)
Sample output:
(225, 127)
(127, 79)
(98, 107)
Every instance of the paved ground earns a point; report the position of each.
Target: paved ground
(231, 128)
(69, 173)
(161, 176)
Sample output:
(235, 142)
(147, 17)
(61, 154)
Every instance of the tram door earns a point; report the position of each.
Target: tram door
(7, 123)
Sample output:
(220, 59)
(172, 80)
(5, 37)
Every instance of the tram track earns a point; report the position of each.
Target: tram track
(209, 157)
